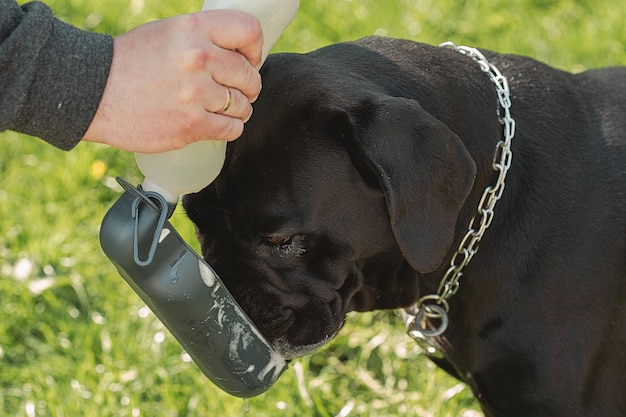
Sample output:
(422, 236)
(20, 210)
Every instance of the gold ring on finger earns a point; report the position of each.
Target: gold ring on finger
(229, 101)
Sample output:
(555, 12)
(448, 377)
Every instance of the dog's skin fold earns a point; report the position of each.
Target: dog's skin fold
(356, 179)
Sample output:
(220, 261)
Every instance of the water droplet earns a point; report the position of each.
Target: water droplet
(159, 337)
(22, 269)
(73, 312)
(30, 409)
(143, 312)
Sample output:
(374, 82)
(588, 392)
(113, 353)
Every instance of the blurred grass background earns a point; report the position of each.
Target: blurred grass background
(74, 340)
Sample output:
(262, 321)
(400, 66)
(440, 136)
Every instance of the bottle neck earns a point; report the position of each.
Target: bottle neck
(171, 198)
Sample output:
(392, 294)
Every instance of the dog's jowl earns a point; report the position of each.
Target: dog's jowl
(355, 182)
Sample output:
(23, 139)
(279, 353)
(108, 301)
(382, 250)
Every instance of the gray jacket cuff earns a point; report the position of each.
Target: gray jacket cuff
(55, 77)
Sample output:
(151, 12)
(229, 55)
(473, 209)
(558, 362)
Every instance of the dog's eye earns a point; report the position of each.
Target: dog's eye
(279, 240)
(287, 244)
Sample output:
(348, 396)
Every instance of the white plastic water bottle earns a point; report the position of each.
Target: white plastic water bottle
(195, 166)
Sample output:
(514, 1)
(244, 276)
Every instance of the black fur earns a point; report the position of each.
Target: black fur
(357, 177)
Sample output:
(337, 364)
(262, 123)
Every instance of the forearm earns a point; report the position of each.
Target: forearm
(52, 75)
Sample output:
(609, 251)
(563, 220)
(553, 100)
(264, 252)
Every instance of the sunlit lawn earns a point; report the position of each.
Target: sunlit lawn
(75, 341)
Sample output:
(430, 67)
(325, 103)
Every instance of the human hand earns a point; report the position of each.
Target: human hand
(169, 82)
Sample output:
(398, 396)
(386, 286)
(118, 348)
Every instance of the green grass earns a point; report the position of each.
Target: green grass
(75, 341)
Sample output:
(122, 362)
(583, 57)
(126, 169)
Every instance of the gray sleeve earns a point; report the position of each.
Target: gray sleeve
(52, 75)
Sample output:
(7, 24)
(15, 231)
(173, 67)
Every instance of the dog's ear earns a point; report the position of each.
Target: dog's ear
(424, 169)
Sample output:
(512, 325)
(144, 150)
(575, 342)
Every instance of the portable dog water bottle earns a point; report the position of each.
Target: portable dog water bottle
(181, 289)
(187, 295)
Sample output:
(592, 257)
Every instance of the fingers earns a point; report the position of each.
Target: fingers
(230, 52)
(236, 30)
(230, 69)
(217, 126)
(170, 82)
(233, 104)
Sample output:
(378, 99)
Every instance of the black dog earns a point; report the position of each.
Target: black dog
(354, 185)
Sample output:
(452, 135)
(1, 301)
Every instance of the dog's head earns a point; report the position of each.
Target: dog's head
(337, 196)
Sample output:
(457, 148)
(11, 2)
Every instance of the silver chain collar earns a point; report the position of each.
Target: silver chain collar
(434, 307)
